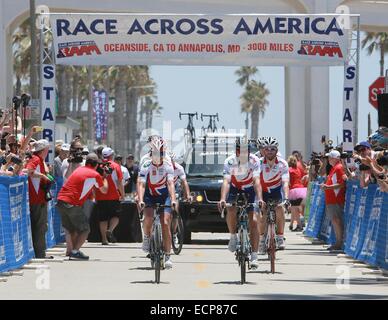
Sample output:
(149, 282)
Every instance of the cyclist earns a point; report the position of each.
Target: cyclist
(156, 185)
(179, 174)
(274, 179)
(241, 174)
(147, 156)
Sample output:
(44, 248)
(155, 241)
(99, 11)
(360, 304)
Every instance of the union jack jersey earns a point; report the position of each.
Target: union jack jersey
(271, 179)
(241, 176)
(156, 176)
(179, 172)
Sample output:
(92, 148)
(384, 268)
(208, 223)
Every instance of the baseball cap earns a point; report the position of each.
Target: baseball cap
(92, 157)
(65, 147)
(40, 145)
(107, 152)
(334, 154)
(364, 144)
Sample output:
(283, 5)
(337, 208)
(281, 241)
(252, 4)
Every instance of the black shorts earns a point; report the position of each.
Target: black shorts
(296, 202)
(108, 209)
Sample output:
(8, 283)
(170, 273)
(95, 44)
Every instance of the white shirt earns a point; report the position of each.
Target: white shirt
(126, 175)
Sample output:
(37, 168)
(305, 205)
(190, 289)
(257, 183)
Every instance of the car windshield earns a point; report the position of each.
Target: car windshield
(208, 161)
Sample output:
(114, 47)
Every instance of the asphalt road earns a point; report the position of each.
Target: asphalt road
(204, 270)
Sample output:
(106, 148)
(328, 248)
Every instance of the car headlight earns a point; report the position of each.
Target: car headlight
(199, 198)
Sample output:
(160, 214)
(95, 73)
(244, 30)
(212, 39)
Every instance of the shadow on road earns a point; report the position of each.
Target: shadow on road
(142, 268)
(148, 282)
(282, 296)
(235, 283)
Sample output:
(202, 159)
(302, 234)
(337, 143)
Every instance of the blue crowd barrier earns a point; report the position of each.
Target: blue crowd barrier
(365, 222)
(15, 225)
(16, 247)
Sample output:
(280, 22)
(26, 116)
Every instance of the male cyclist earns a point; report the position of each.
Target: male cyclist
(156, 185)
(274, 179)
(241, 175)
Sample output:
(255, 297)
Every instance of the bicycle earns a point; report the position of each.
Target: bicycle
(244, 248)
(157, 254)
(177, 222)
(190, 125)
(212, 127)
(270, 241)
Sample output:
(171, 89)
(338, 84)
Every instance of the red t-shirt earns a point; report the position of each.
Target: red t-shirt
(295, 178)
(36, 193)
(303, 172)
(335, 176)
(113, 184)
(79, 186)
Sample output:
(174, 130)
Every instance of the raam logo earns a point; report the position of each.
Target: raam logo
(78, 48)
(321, 48)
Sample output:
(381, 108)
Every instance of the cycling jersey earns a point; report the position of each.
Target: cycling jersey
(155, 177)
(272, 179)
(179, 172)
(241, 176)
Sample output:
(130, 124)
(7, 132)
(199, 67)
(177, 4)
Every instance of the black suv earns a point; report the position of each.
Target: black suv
(204, 165)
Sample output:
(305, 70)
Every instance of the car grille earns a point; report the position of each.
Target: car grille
(213, 195)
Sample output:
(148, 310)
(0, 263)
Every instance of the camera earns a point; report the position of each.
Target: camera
(315, 158)
(364, 167)
(104, 169)
(16, 160)
(76, 156)
(23, 101)
(346, 155)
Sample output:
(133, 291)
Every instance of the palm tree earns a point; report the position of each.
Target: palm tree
(254, 101)
(244, 74)
(374, 41)
(150, 107)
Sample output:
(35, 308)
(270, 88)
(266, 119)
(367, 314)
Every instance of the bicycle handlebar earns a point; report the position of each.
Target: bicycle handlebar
(234, 204)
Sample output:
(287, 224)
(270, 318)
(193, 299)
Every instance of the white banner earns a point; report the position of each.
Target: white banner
(48, 98)
(163, 39)
(349, 108)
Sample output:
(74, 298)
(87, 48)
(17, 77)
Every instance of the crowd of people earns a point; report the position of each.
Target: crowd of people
(100, 179)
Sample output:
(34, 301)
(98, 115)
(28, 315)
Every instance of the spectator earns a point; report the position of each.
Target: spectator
(71, 200)
(334, 188)
(64, 150)
(297, 194)
(133, 170)
(302, 167)
(364, 150)
(126, 176)
(74, 160)
(38, 182)
(108, 205)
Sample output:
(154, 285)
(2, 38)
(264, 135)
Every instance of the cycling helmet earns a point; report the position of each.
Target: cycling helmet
(157, 143)
(270, 142)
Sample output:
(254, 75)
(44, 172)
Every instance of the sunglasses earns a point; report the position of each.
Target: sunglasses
(271, 149)
(362, 149)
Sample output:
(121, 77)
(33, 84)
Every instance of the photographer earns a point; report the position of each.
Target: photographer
(71, 200)
(108, 205)
(334, 188)
(363, 150)
(379, 168)
(74, 160)
(38, 182)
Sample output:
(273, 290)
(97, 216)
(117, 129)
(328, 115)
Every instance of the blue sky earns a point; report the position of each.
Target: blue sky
(214, 89)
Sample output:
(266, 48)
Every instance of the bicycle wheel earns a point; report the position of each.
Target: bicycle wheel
(177, 246)
(242, 257)
(158, 250)
(272, 247)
